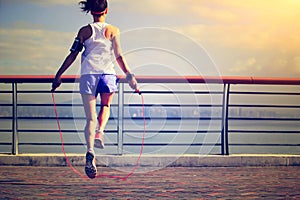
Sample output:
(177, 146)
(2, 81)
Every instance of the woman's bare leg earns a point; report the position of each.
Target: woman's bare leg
(89, 103)
(106, 99)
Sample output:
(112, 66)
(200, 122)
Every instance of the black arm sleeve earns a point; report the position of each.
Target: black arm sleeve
(77, 46)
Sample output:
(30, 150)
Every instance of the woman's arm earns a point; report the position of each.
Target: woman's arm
(118, 52)
(121, 59)
(66, 64)
(82, 35)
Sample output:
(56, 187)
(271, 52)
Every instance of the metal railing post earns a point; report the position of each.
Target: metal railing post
(226, 120)
(15, 137)
(120, 118)
(224, 133)
(223, 121)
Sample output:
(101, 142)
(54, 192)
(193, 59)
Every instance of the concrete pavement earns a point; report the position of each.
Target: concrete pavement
(47, 176)
(33, 182)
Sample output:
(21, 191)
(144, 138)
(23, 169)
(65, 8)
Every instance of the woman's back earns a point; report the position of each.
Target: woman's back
(98, 56)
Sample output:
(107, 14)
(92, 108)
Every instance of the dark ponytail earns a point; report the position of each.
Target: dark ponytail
(93, 5)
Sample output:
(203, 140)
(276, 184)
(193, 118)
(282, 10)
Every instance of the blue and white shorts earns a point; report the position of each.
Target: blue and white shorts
(94, 84)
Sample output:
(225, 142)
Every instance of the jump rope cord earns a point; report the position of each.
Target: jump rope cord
(101, 175)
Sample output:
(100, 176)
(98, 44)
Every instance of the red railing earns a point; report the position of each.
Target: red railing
(161, 79)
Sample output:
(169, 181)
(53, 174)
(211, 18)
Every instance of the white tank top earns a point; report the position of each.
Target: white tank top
(98, 56)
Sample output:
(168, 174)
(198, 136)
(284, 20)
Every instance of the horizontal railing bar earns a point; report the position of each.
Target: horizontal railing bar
(263, 106)
(5, 130)
(46, 92)
(58, 144)
(263, 131)
(5, 143)
(115, 144)
(55, 131)
(268, 93)
(266, 145)
(172, 144)
(50, 105)
(176, 92)
(20, 131)
(57, 105)
(159, 79)
(163, 105)
(5, 92)
(154, 131)
(173, 118)
(125, 92)
(115, 131)
(171, 105)
(49, 92)
(6, 104)
(54, 118)
(6, 118)
(168, 132)
(50, 118)
(125, 118)
(115, 105)
(262, 119)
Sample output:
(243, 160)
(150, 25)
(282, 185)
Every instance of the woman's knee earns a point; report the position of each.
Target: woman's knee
(91, 120)
(106, 99)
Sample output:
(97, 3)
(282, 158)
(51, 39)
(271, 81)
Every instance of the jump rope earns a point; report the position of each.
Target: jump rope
(123, 178)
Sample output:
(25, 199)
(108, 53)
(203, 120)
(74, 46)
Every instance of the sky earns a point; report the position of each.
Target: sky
(159, 37)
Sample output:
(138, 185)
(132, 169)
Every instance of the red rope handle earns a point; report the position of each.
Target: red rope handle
(101, 175)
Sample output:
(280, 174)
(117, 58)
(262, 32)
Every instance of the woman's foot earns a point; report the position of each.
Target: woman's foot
(99, 140)
(90, 165)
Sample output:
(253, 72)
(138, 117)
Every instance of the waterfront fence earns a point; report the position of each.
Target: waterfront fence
(184, 115)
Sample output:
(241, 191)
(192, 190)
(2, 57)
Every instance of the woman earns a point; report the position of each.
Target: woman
(101, 47)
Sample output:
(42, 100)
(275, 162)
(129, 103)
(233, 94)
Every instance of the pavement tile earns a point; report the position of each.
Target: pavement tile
(168, 183)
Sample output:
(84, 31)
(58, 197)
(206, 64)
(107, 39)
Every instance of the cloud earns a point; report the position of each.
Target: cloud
(254, 26)
(265, 32)
(43, 2)
(149, 6)
(32, 51)
(247, 65)
(200, 9)
(235, 33)
(52, 2)
(296, 62)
